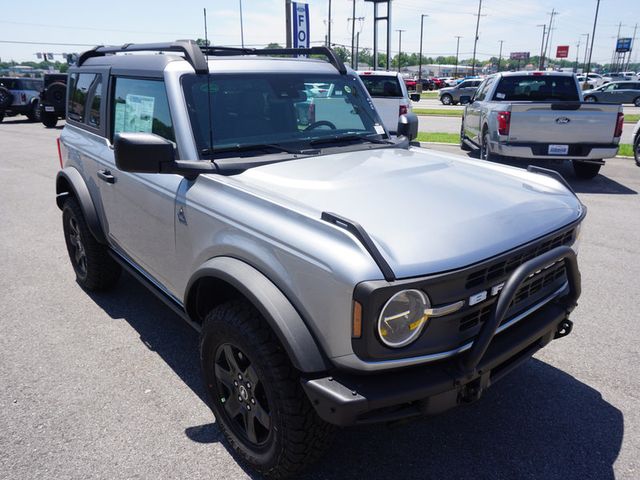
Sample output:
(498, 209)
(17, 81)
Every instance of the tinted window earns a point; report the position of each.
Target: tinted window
(96, 101)
(381, 86)
(79, 92)
(141, 105)
(537, 88)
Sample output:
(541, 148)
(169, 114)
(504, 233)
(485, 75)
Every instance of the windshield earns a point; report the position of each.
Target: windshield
(537, 88)
(382, 86)
(275, 109)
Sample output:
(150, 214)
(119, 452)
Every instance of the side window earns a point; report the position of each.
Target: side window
(80, 85)
(484, 87)
(96, 101)
(141, 105)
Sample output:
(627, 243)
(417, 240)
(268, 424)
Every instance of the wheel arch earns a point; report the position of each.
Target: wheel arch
(69, 182)
(224, 278)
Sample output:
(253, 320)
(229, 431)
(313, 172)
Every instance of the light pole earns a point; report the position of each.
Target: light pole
(586, 51)
(541, 59)
(475, 41)
(575, 69)
(241, 27)
(400, 48)
(353, 34)
(329, 27)
(420, 57)
(455, 74)
(593, 36)
(500, 54)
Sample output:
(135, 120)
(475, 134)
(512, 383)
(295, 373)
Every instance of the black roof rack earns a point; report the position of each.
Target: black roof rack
(195, 54)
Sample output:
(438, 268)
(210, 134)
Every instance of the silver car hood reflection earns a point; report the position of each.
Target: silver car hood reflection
(426, 211)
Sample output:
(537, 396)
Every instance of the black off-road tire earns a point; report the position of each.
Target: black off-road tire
(56, 95)
(6, 97)
(94, 268)
(636, 150)
(463, 146)
(49, 120)
(296, 437)
(585, 170)
(34, 113)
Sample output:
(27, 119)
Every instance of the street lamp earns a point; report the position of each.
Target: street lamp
(241, 26)
(586, 51)
(457, 51)
(500, 54)
(400, 48)
(475, 40)
(593, 35)
(420, 57)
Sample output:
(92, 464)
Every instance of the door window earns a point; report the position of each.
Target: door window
(80, 86)
(141, 105)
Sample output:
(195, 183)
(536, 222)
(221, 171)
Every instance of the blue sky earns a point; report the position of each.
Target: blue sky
(90, 23)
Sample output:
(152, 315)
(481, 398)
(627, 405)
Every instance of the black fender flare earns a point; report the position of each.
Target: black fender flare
(69, 181)
(273, 305)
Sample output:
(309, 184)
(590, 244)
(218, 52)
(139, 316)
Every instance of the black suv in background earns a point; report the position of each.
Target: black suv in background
(53, 99)
(20, 96)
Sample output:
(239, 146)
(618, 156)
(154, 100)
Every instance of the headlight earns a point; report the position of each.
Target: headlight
(576, 243)
(403, 317)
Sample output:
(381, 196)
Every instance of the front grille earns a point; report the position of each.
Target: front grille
(546, 279)
(502, 268)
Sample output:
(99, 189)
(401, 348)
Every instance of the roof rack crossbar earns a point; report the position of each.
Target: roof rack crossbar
(189, 48)
(327, 52)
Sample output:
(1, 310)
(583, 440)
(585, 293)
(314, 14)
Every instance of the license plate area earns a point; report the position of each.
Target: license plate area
(558, 149)
(49, 109)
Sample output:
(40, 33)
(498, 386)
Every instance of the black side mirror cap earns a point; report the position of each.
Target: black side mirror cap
(415, 97)
(408, 126)
(465, 99)
(150, 153)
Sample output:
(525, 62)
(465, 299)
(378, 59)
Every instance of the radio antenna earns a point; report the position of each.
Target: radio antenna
(206, 53)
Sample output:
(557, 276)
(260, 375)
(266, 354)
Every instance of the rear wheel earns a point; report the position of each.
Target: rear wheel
(585, 170)
(1, 116)
(485, 148)
(6, 97)
(446, 99)
(34, 113)
(636, 150)
(256, 394)
(636, 102)
(49, 120)
(95, 269)
(463, 145)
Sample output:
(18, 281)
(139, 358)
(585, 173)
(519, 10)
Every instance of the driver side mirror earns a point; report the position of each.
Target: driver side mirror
(150, 153)
(408, 126)
(465, 99)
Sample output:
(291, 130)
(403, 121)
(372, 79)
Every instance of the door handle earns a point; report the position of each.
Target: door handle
(105, 175)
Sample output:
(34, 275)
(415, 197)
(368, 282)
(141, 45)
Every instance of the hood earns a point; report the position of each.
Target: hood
(446, 89)
(427, 212)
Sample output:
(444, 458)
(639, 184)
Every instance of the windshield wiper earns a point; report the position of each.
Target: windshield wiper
(350, 138)
(258, 146)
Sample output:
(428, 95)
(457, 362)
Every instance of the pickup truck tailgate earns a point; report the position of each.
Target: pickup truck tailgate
(563, 123)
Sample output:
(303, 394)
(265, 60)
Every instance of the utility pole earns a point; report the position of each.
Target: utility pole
(354, 57)
(287, 16)
(593, 36)
(457, 51)
(475, 41)
(399, 47)
(541, 59)
(586, 51)
(353, 34)
(615, 52)
(420, 56)
(633, 45)
(500, 54)
(329, 27)
(546, 46)
(241, 27)
(575, 68)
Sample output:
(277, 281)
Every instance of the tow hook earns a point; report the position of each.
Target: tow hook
(564, 328)
(472, 391)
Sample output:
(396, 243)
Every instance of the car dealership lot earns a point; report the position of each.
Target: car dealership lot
(107, 385)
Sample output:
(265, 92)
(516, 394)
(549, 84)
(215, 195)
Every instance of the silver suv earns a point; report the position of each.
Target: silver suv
(337, 275)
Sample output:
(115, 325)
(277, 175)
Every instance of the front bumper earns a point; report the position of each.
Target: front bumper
(346, 399)
(538, 151)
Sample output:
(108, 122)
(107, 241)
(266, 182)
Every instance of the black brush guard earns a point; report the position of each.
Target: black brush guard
(348, 398)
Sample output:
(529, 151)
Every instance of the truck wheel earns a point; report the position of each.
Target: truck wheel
(95, 269)
(6, 98)
(49, 120)
(590, 99)
(56, 95)
(485, 148)
(255, 393)
(636, 102)
(446, 99)
(1, 116)
(34, 113)
(636, 150)
(585, 170)
(463, 145)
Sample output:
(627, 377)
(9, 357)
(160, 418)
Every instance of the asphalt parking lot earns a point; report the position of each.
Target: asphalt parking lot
(107, 386)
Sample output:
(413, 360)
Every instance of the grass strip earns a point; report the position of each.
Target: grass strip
(437, 112)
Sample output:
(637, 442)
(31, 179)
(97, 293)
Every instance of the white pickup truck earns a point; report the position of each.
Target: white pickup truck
(389, 94)
(540, 115)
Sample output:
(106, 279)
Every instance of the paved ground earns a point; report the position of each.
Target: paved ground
(107, 386)
(432, 123)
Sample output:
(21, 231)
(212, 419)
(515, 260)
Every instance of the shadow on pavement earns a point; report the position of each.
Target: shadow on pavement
(537, 423)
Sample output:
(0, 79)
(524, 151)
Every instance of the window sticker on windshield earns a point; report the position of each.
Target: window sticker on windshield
(379, 129)
(347, 88)
(135, 115)
(500, 95)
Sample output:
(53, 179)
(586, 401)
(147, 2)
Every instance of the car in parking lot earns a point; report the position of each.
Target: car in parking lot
(615, 92)
(337, 275)
(636, 143)
(451, 95)
(20, 96)
(389, 93)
